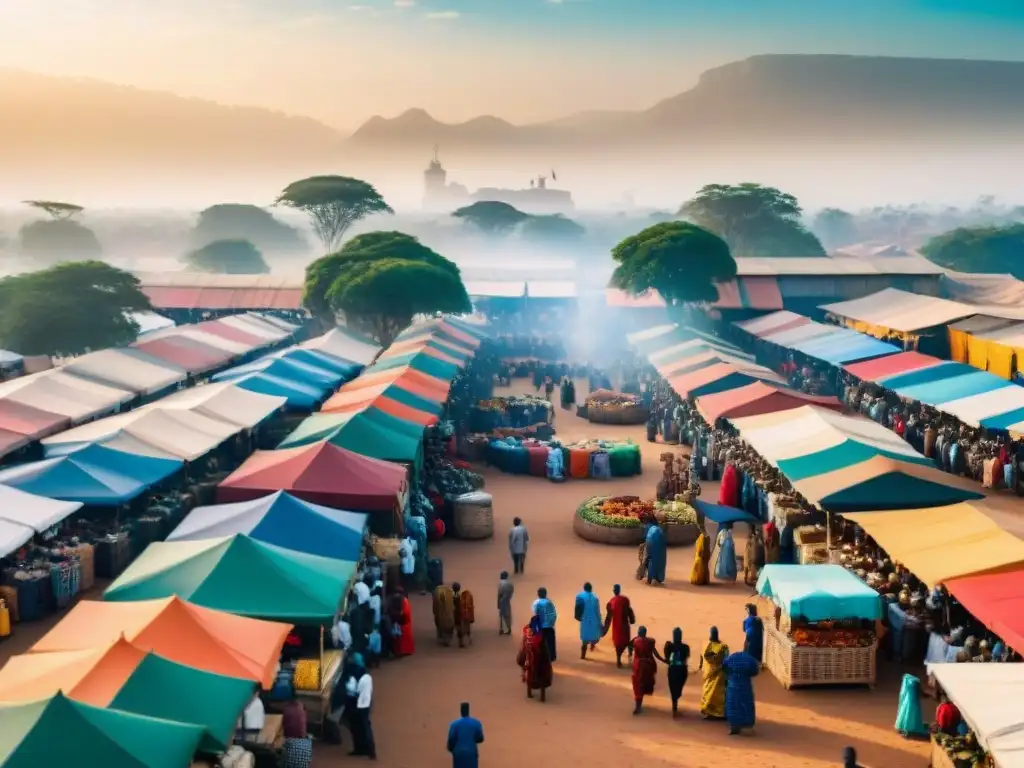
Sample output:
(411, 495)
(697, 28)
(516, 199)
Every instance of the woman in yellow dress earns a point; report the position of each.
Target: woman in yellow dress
(712, 698)
(700, 574)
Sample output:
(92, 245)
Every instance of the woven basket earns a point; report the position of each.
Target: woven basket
(798, 666)
(473, 516)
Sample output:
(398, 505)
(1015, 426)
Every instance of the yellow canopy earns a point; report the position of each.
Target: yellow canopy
(943, 543)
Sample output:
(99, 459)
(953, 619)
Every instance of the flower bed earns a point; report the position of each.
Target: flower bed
(623, 520)
(605, 407)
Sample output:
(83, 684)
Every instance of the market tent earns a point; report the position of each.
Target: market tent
(94, 475)
(984, 694)
(701, 358)
(295, 394)
(365, 432)
(159, 432)
(13, 536)
(239, 575)
(344, 345)
(686, 349)
(722, 514)
(260, 326)
(128, 369)
(819, 592)
(65, 394)
(418, 361)
(960, 335)
(36, 513)
(346, 368)
(150, 322)
(425, 383)
(844, 346)
(61, 732)
(289, 370)
(721, 377)
(177, 630)
(320, 473)
(400, 391)
(891, 310)
(282, 520)
(404, 412)
(1001, 408)
(431, 345)
(776, 322)
(226, 402)
(194, 356)
(757, 398)
(125, 678)
(891, 365)
(10, 359)
(944, 543)
(658, 337)
(996, 350)
(798, 334)
(996, 600)
(33, 423)
(237, 340)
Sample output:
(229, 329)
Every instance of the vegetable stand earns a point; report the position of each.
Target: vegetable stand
(822, 632)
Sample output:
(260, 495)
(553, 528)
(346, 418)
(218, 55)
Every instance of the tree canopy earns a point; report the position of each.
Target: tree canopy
(69, 309)
(333, 204)
(229, 257)
(57, 210)
(754, 220)
(236, 221)
(679, 260)
(835, 227)
(58, 240)
(491, 216)
(381, 280)
(554, 228)
(983, 250)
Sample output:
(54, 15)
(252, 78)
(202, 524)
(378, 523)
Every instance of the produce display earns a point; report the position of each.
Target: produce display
(634, 512)
(606, 407)
(307, 675)
(517, 412)
(502, 403)
(821, 637)
(963, 751)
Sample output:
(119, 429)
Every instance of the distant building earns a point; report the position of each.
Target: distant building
(441, 195)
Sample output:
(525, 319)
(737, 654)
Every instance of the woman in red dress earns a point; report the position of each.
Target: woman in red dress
(535, 660)
(404, 645)
(644, 667)
(729, 490)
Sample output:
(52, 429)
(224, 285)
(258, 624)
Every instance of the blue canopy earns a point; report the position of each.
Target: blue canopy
(302, 396)
(819, 592)
(322, 360)
(946, 390)
(722, 514)
(845, 346)
(283, 368)
(94, 475)
(944, 370)
(282, 520)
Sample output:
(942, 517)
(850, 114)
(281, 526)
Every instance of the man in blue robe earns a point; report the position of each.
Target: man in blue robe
(588, 614)
(656, 553)
(464, 735)
(739, 669)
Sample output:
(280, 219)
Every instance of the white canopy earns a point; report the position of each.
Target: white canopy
(338, 343)
(761, 326)
(277, 322)
(202, 337)
(151, 431)
(33, 513)
(225, 401)
(65, 394)
(255, 326)
(985, 695)
(149, 322)
(901, 311)
(127, 369)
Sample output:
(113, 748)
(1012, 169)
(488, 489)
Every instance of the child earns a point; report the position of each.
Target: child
(374, 647)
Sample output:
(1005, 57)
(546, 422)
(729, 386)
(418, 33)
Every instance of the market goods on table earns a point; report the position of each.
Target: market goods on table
(588, 459)
(606, 407)
(634, 512)
(516, 412)
(958, 752)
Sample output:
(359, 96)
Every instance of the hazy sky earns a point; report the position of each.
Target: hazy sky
(524, 60)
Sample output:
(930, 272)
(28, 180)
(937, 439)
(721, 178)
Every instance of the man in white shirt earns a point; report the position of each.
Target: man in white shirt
(362, 731)
(255, 715)
(362, 591)
(407, 553)
(342, 634)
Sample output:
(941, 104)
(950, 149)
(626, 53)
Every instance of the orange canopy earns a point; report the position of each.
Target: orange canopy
(403, 411)
(417, 382)
(177, 630)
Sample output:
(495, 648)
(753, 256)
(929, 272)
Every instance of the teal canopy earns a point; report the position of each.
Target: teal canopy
(819, 592)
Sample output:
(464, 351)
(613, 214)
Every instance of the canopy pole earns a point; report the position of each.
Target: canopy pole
(828, 535)
(320, 682)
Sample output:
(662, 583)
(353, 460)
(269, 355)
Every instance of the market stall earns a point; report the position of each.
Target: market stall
(345, 345)
(823, 630)
(606, 407)
(756, 399)
(624, 520)
(597, 459)
(517, 412)
(369, 432)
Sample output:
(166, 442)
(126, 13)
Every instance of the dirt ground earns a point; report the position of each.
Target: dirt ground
(587, 719)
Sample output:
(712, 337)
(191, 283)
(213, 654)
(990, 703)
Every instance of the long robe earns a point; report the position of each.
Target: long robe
(535, 660)
(656, 553)
(618, 618)
(712, 697)
(725, 564)
(771, 543)
(753, 643)
(753, 559)
(645, 668)
(700, 574)
(739, 668)
(404, 644)
(588, 613)
(444, 611)
(909, 720)
(729, 490)
(463, 736)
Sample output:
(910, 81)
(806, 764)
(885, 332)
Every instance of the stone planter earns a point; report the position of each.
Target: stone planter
(675, 535)
(600, 414)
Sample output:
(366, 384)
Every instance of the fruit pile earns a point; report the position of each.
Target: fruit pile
(629, 506)
(832, 638)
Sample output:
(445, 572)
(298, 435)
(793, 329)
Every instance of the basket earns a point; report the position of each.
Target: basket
(386, 550)
(799, 666)
(473, 516)
(601, 413)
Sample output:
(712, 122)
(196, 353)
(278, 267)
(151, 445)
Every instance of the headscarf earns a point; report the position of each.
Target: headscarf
(713, 635)
(677, 635)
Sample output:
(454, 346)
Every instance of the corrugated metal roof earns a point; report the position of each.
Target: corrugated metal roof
(837, 267)
(901, 311)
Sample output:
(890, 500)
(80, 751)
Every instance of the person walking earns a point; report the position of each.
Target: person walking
(534, 659)
(363, 744)
(676, 658)
(645, 668)
(588, 614)
(545, 609)
(518, 542)
(464, 614)
(619, 618)
(739, 668)
(506, 589)
(464, 736)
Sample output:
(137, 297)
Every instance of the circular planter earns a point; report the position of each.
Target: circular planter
(676, 535)
(600, 414)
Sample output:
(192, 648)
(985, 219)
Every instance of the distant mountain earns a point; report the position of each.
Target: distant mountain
(785, 98)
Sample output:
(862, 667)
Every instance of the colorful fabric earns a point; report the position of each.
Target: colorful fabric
(298, 753)
(729, 490)
(656, 553)
(444, 609)
(619, 618)
(645, 667)
(739, 668)
(700, 574)
(405, 645)
(535, 660)
(753, 630)
(909, 720)
(588, 613)
(712, 698)
(725, 565)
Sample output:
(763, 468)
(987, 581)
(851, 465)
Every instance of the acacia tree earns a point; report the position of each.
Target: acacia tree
(754, 220)
(229, 257)
(58, 238)
(333, 204)
(491, 216)
(59, 211)
(680, 261)
(381, 280)
(69, 309)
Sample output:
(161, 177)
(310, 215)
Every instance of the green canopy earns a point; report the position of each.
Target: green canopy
(434, 367)
(315, 428)
(384, 420)
(367, 435)
(239, 575)
(58, 732)
(165, 689)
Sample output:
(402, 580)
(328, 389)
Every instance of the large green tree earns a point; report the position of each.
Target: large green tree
(983, 250)
(552, 229)
(754, 220)
(677, 259)
(236, 221)
(491, 216)
(229, 257)
(58, 238)
(835, 227)
(333, 204)
(381, 280)
(69, 309)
